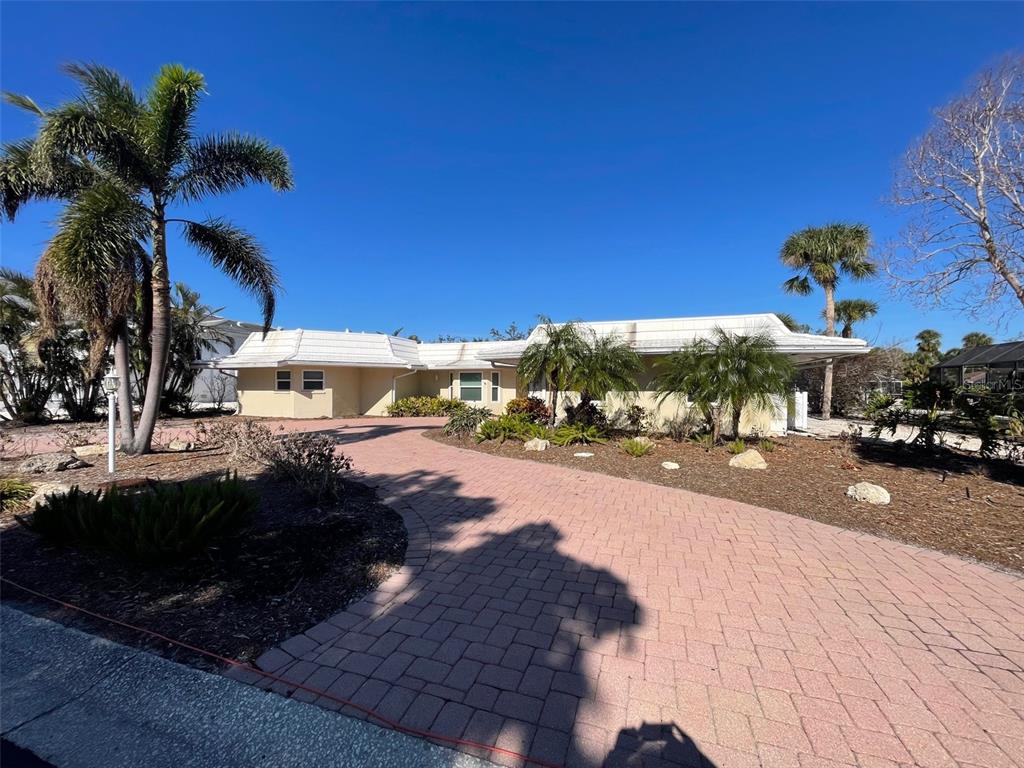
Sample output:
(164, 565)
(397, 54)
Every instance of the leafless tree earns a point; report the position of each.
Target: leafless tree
(217, 389)
(964, 181)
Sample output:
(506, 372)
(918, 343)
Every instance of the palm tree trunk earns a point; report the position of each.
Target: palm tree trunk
(736, 413)
(160, 338)
(124, 392)
(554, 407)
(830, 330)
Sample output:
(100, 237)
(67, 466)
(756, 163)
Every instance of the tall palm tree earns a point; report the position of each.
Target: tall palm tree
(792, 323)
(851, 311)
(554, 359)
(731, 371)
(821, 256)
(147, 158)
(977, 339)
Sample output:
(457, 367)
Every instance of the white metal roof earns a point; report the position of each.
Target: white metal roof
(648, 337)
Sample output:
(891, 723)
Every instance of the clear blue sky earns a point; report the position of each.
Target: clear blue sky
(462, 166)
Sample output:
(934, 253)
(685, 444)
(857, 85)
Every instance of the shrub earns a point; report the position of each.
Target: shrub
(423, 405)
(466, 421)
(14, 493)
(586, 414)
(766, 445)
(311, 463)
(163, 522)
(705, 440)
(682, 426)
(641, 420)
(636, 447)
(736, 447)
(573, 434)
(532, 408)
(507, 427)
(245, 438)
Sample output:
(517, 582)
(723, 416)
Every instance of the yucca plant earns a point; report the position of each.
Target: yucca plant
(636, 447)
(766, 445)
(160, 523)
(736, 447)
(466, 421)
(577, 434)
(14, 493)
(705, 440)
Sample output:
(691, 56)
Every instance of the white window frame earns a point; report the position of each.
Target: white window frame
(323, 380)
(278, 380)
(479, 386)
(495, 386)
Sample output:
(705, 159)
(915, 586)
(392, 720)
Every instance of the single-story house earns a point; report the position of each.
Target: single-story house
(313, 374)
(996, 366)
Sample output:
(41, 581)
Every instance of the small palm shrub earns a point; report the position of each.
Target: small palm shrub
(736, 447)
(425, 406)
(533, 408)
(578, 434)
(766, 445)
(164, 522)
(636, 447)
(705, 440)
(466, 421)
(14, 493)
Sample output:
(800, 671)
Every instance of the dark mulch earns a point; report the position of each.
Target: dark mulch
(292, 566)
(948, 501)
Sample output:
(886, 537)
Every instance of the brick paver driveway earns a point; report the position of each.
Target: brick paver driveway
(585, 619)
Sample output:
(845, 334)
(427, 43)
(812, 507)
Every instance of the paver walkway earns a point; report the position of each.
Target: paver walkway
(586, 619)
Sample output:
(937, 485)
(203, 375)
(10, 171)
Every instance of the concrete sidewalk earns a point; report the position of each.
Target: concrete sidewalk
(77, 700)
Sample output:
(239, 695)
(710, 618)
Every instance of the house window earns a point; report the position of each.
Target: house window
(312, 380)
(471, 387)
(284, 381)
(495, 387)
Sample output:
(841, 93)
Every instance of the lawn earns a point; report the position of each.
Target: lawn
(949, 501)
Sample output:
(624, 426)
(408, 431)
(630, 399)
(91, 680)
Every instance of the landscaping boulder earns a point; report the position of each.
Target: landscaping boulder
(51, 462)
(181, 445)
(42, 490)
(583, 455)
(669, 465)
(536, 444)
(82, 451)
(869, 492)
(749, 459)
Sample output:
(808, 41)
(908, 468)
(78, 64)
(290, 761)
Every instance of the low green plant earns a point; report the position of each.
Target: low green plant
(532, 408)
(766, 445)
(466, 421)
(509, 427)
(425, 405)
(636, 447)
(163, 522)
(14, 493)
(736, 447)
(578, 434)
(705, 440)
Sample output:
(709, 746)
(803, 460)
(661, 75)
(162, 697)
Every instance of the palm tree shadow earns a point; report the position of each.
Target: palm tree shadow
(655, 744)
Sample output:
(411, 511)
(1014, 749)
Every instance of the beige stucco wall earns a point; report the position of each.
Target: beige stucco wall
(435, 384)
(258, 396)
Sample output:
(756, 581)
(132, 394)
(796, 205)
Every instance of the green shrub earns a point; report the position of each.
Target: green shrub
(14, 493)
(507, 427)
(161, 523)
(640, 420)
(766, 445)
(425, 406)
(465, 422)
(586, 414)
(532, 408)
(636, 447)
(683, 425)
(575, 434)
(736, 447)
(705, 440)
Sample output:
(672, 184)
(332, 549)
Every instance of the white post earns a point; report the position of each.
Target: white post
(111, 413)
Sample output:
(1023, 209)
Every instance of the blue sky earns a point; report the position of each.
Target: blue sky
(462, 166)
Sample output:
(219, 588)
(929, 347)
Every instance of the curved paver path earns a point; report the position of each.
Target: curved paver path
(586, 619)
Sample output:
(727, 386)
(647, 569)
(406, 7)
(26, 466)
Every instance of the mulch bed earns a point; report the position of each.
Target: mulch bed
(950, 501)
(290, 567)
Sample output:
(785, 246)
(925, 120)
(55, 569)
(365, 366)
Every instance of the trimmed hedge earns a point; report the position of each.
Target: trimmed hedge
(425, 406)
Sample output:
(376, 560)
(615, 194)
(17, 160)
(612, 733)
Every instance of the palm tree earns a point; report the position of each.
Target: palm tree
(977, 339)
(608, 365)
(792, 323)
(821, 255)
(554, 359)
(731, 371)
(145, 158)
(850, 311)
(192, 334)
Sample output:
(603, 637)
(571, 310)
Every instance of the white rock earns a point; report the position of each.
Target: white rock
(90, 450)
(669, 465)
(869, 492)
(46, 489)
(583, 455)
(51, 462)
(749, 459)
(181, 445)
(536, 444)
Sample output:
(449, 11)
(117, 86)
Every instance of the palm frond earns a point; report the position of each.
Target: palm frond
(106, 91)
(23, 102)
(170, 111)
(237, 253)
(21, 180)
(799, 285)
(222, 163)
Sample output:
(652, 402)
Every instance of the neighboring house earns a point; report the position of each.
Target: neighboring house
(212, 385)
(996, 366)
(313, 374)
